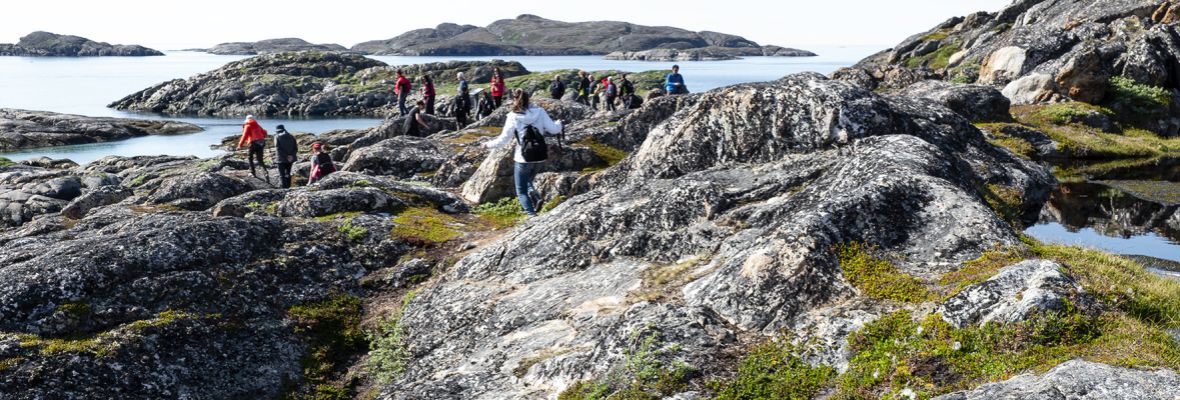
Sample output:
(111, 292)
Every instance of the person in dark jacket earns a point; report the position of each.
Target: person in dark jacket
(462, 103)
(254, 136)
(321, 163)
(286, 152)
(583, 88)
(414, 123)
(611, 93)
(627, 92)
(428, 93)
(557, 88)
(594, 91)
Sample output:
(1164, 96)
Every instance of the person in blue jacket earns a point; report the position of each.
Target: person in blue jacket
(674, 82)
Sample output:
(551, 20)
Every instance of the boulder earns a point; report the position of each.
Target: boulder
(403, 157)
(1079, 379)
(198, 190)
(974, 102)
(103, 196)
(1016, 293)
(64, 188)
(315, 203)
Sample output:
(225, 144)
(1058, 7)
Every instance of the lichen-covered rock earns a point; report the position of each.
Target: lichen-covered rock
(1082, 380)
(197, 190)
(314, 203)
(402, 157)
(102, 196)
(730, 207)
(974, 102)
(1016, 293)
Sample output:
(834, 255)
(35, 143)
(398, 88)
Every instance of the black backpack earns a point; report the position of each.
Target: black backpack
(532, 145)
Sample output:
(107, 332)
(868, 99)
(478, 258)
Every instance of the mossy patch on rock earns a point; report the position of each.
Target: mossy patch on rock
(773, 370)
(877, 278)
(1006, 201)
(332, 330)
(506, 212)
(607, 153)
(387, 351)
(647, 373)
(425, 225)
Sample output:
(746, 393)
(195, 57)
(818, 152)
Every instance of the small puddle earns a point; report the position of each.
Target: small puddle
(1135, 221)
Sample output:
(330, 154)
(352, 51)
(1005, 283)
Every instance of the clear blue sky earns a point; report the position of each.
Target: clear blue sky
(167, 24)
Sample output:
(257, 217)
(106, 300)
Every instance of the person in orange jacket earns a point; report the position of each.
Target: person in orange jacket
(254, 136)
(402, 89)
(497, 88)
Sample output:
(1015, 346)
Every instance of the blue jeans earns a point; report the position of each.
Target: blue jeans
(401, 102)
(524, 174)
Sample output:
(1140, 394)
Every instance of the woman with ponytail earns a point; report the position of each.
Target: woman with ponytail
(527, 123)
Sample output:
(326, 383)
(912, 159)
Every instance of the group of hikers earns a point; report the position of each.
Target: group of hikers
(525, 126)
(286, 153)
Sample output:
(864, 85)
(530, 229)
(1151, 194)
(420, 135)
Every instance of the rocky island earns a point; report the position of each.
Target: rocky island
(854, 237)
(45, 44)
(22, 129)
(536, 36)
(271, 46)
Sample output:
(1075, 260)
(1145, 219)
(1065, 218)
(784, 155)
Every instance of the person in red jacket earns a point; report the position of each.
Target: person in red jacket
(497, 88)
(428, 93)
(402, 89)
(254, 136)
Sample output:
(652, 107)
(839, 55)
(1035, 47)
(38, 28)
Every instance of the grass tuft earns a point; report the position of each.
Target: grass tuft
(424, 225)
(505, 213)
(879, 279)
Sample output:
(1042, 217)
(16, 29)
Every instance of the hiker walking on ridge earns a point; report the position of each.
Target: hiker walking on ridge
(627, 92)
(526, 125)
(557, 88)
(612, 93)
(583, 88)
(462, 103)
(595, 88)
(286, 152)
(428, 93)
(402, 89)
(674, 82)
(255, 137)
(497, 88)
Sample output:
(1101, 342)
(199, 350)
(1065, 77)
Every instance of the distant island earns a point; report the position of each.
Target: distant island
(271, 46)
(46, 44)
(530, 35)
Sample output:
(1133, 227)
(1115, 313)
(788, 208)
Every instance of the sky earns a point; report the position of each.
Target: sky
(170, 25)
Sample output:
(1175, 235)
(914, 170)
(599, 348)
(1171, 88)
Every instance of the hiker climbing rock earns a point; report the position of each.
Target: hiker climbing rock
(255, 137)
(527, 124)
(286, 152)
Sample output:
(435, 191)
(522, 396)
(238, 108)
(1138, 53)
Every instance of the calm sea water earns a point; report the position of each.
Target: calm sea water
(86, 85)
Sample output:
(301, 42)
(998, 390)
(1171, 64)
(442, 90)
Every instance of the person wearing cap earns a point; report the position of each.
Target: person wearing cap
(254, 136)
(321, 163)
(286, 152)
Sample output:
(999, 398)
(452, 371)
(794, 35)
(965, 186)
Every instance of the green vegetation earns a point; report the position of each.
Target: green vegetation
(658, 280)
(103, 343)
(332, 330)
(353, 232)
(348, 215)
(1006, 201)
(502, 214)
(877, 278)
(4, 162)
(935, 36)
(644, 375)
(552, 203)
(9, 363)
(773, 371)
(607, 153)
(387, 351)
(79, 309)
(1137, 101)
(967, 71)
(528, 362)
(1070, 112)
(425, 225)
(936, 60)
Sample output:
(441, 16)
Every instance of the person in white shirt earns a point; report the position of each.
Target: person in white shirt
(524, 114)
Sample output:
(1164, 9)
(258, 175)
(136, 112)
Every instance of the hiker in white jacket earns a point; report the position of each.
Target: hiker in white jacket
(523, 115)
